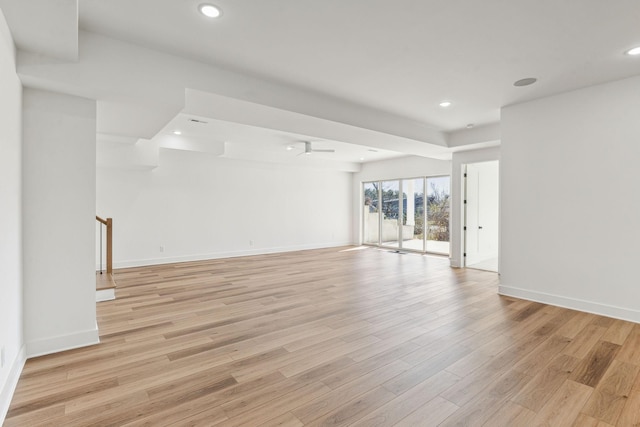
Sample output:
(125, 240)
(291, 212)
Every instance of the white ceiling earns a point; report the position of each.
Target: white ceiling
(268, 141)
(363, 72)
(49, 26)
(402, 57)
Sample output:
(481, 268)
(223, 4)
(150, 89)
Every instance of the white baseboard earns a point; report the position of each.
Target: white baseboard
(6, 393)
(105, 295)
(219, 255)
(572, 303)
(62, 343)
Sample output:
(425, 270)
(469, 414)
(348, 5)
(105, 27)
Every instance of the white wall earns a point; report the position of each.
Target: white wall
(402, 167)
(569, 199)
(11, 342)
(58, 221)
(200, 206)
(460, 159)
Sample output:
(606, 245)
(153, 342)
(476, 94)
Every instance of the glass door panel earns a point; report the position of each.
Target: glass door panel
(438, 202)
(389, 227)
(413, 214)
(370, 214)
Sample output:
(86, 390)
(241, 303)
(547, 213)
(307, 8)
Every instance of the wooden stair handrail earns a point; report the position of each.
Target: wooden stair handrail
(109, 223)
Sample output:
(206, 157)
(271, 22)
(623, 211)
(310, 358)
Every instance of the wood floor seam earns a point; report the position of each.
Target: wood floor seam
(333, 337)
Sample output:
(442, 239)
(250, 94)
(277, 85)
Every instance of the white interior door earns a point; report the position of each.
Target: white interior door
(482, 218)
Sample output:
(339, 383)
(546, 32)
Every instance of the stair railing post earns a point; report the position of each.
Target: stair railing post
(100, 248)
(109, 245)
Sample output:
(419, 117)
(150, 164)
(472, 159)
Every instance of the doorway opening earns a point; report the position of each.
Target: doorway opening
(481, 215)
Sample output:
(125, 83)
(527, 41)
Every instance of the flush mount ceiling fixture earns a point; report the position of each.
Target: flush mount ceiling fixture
(445, 104)
(525, 82)
(635, 51)
(209, 10)
(177, 132)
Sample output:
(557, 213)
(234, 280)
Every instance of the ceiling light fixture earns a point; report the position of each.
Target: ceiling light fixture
(177, 132)
(470, 125)
(633, 51)
(209, 10)
(525, 82)
(289, 147)
(445, 104)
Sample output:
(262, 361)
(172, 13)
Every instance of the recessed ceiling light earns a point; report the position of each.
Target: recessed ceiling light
(634, 51)
(525, 82)
(289, 147)
(209, 10)
(177, 132)
(361, 158)
(445, 104)
(470, 125)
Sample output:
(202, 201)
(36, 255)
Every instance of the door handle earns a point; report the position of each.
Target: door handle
(479, 227)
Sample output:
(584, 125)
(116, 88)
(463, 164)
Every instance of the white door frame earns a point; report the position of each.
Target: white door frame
(465, 214)
(457, 200)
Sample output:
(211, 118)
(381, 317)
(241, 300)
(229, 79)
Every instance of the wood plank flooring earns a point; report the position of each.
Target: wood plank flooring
(341, 336)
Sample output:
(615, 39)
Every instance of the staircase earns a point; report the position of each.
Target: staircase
(105, 282)
(105, 286)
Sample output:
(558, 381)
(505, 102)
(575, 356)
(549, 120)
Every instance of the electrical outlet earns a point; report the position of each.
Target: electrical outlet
(250, 242)
(161, 248)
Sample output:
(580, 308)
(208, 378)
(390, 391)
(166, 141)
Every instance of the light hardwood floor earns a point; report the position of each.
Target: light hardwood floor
(334, 337)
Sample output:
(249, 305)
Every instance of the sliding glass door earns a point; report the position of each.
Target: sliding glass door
(438, 203)
(390, 229)
(413, 217)
(371, 215)
(410, 214)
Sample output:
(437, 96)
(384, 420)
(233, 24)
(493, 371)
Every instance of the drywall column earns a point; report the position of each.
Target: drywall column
(11, 343)
(59, 201)
(569, 204)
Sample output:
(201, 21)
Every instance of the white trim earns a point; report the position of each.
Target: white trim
(63, 342)
(105, 295)
(218, 255)
(572, 303)
(6, 394)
